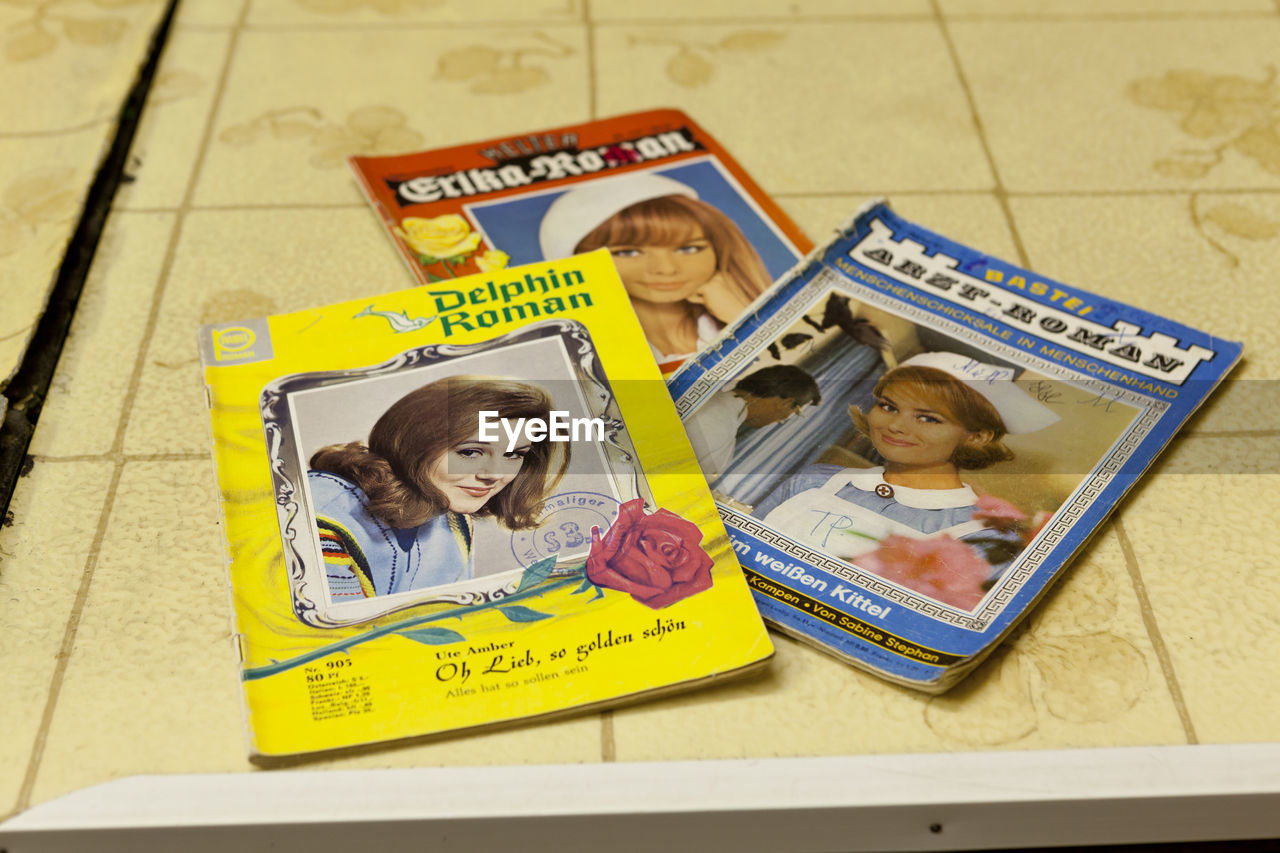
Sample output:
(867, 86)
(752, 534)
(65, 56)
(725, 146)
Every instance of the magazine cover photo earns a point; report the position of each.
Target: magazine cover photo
(460, 507)
(692, 249)
(901, 451)
(910, 439)
(418, 486)
(695, 241)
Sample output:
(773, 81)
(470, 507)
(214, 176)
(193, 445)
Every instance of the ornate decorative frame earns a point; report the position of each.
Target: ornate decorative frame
(310, 596)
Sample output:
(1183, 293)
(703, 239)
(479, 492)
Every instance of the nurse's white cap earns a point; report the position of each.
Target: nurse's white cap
(579, 211)
(1019, 411)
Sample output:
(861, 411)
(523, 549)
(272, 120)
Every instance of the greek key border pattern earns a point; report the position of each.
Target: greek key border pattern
(1032, 558)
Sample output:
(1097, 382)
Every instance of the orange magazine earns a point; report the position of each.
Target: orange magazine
(695, 239)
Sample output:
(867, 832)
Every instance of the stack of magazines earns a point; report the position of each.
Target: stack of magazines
(628, 415)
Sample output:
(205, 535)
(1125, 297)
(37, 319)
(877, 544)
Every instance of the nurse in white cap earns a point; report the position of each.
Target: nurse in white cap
(935, 414)
(686, 266)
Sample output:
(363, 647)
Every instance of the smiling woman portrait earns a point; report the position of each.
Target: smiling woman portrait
(934, 415)
(686, 266)
(395, 514)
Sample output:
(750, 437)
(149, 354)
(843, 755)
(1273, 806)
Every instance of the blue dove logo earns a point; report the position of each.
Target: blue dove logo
(400, 320)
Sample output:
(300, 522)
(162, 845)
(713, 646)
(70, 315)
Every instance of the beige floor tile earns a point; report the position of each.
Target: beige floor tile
(736, 10)
(151, 683)
(153, 668)
(42, 556)
(1084, 673)
(87, 52)
(1184, 257)
(576, 740)
(235, 265)
(1220, 454)
(43, 181)
(50, 146)
(295, 13)
(297, 104)
(807, 107)
(1209, 568)
(1095, 105)
(82, 412)
(209, 13)
(1101, 8)
(975, 220)
(166, 147)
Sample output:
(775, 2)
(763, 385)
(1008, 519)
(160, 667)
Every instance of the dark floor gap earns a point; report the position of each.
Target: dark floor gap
(26, 392)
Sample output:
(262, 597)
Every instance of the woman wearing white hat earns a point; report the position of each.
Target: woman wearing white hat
(686, 266)
(935, 414)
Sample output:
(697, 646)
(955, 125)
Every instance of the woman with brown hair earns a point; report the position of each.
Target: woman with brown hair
(394, 514)
(686, 266)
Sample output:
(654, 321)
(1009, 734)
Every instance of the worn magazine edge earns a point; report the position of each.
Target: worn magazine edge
(744, 670)
(769, 208)
(751, 656)
(685, 380)
(810, 258)
(382, 215)
(237, 638)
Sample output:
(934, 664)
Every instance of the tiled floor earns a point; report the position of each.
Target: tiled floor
(1131, 147)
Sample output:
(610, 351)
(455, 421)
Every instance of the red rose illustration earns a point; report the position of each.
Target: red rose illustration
(657, 558)
(942, 568)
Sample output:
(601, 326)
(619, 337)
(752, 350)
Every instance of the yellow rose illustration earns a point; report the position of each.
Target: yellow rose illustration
(446, 236)
(492, 260)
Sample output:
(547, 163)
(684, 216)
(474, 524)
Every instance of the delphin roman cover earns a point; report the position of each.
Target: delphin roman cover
(695, 240)
(461, 506)
(910, 439)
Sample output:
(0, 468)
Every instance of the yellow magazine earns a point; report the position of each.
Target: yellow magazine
(460, 506)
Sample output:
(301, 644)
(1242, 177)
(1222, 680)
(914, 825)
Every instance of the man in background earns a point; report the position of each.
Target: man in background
(768, 396)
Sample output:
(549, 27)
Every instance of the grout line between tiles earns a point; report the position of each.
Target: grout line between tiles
(1153, 632)
(879, 193)
(857, 193)
(166, 457)
(116, 453)
(1002, 197)
(28, 386)
(608, 747)
(334, 205)
(1104, 17)
(592, 83)
(1109, 193)
(403, 26)
(202, 28)
(967, 18)
(736, 20)
(1120, 193)
(63, 657)
(57, 131)
(112, 456)
(569, 18)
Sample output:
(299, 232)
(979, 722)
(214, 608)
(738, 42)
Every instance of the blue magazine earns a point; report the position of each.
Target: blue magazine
(909, 440)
